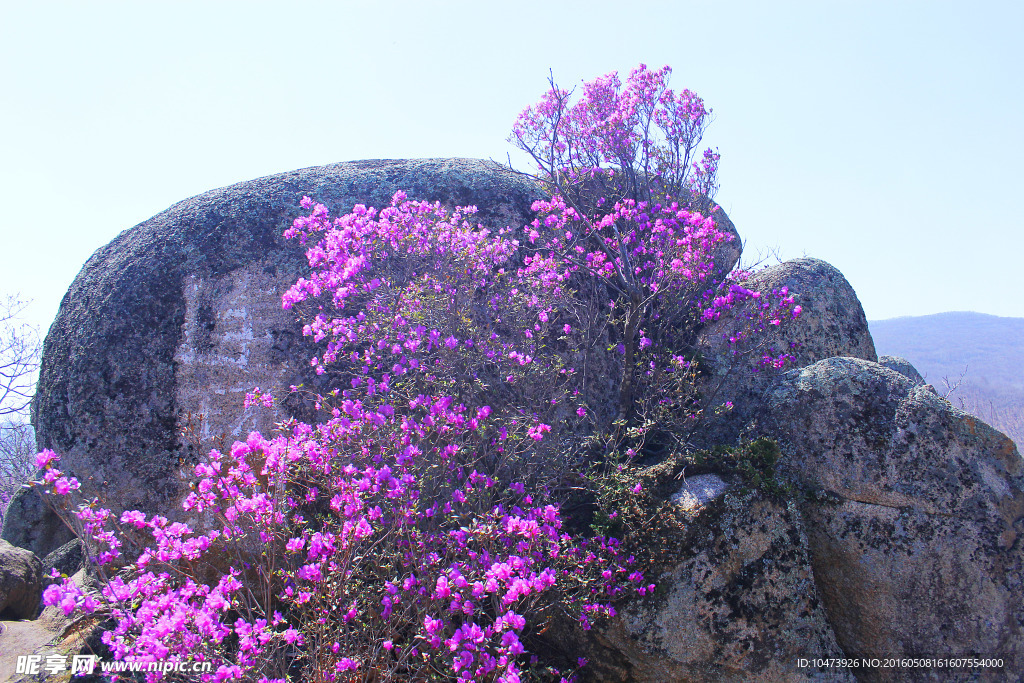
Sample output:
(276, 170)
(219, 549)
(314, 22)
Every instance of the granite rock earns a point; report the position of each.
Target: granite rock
(21, 586)
(178, 317)
(916, 540)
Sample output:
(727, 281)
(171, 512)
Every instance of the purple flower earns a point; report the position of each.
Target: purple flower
(45, 457)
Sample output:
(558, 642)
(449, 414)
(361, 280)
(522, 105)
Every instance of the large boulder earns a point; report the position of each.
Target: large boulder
(181, 315)
(21, 587)
(832, 320)
(739, 603)
(30, 523)
(831, 323)
(916, 544)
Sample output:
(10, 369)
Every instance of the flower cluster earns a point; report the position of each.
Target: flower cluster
(644, 130)
(349, 513)
(754, 320)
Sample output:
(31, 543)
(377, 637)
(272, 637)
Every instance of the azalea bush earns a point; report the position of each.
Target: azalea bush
(420, 530)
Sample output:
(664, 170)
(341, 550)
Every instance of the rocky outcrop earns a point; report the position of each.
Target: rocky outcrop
(902, 366)
(902, 538)
(21, 586)
(831, 323)
(181, 315)
(917, 549)
(740, 603)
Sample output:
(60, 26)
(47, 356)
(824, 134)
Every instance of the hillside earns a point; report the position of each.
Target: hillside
(986, 350)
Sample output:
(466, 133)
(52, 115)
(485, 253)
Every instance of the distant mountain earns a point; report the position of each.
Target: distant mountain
(983, 353)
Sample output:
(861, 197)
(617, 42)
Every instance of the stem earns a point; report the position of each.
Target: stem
(627, 409)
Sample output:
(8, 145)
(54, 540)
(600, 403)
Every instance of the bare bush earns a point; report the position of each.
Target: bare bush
(19, 360)
(17, 446)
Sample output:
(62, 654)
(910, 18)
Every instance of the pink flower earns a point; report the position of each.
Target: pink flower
(537, 431)
(45, 457)
(346, 664)
(431, 625)
(134, 517)
(64, 486)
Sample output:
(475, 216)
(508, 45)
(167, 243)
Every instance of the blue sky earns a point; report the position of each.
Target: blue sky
(883, 137)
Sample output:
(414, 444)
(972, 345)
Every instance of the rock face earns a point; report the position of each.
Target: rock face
(921, 549)
(30, 524)
(831, 323)
(21, 586)
(181, 315)
(740, 604)
(902, 366)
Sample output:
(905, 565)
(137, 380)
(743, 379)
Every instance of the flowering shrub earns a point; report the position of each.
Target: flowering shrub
(627, 211)
(417, 531)
(342, 565)
(644, 136)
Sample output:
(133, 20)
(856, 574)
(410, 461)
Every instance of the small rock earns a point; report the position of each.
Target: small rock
(699, 490)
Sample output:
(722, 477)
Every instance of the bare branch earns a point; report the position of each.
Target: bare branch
(953, 386)
(19, 357)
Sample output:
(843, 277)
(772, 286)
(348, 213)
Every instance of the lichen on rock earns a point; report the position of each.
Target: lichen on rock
(923, 553)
